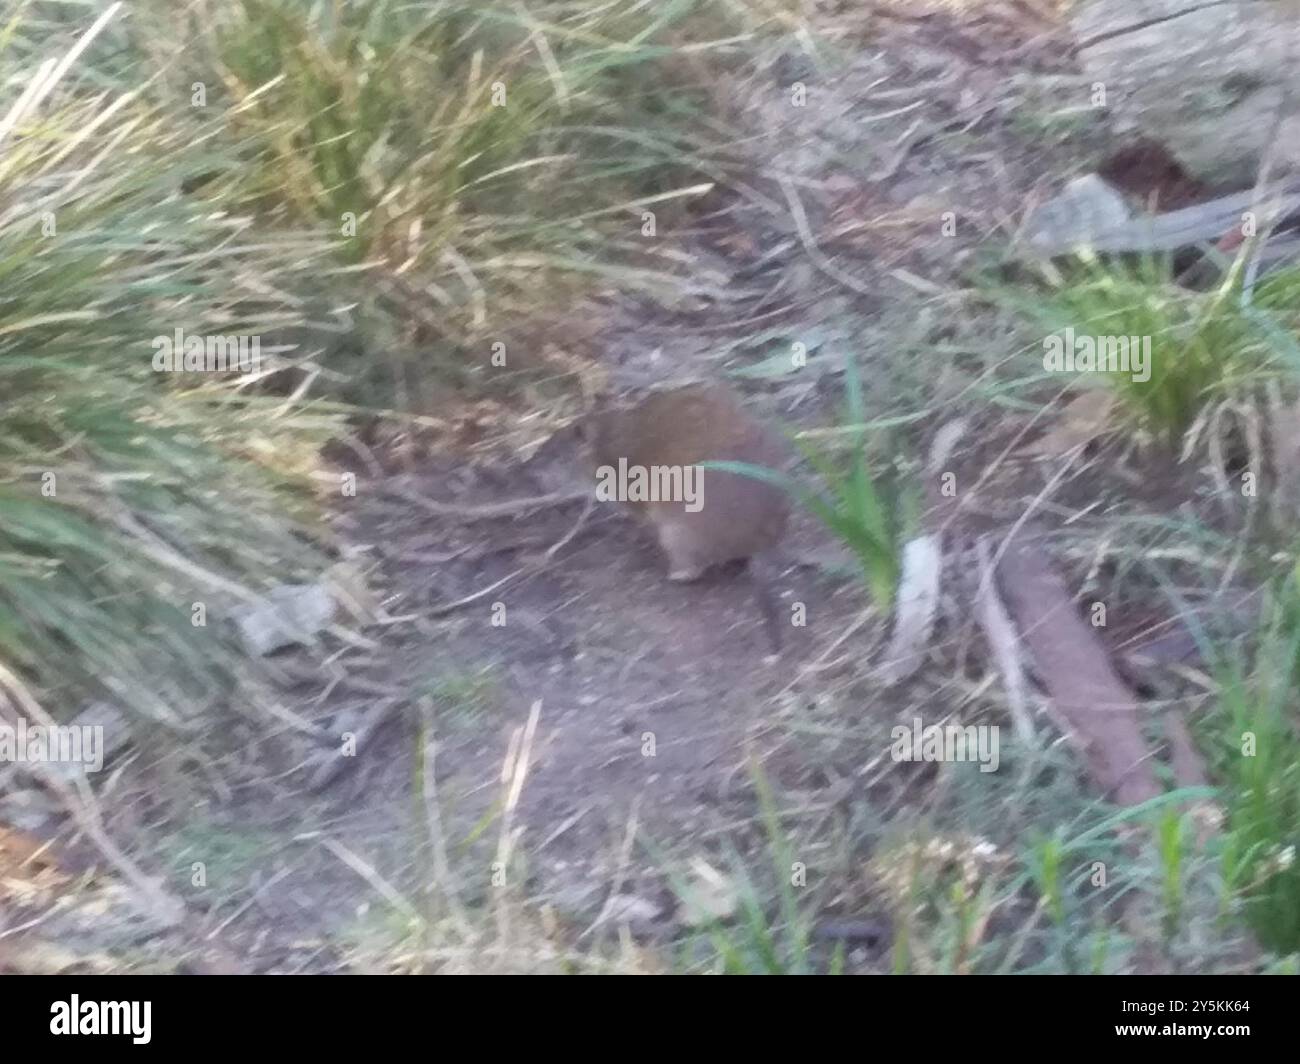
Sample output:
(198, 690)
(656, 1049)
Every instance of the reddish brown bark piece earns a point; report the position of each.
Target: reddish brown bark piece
(1072, 663)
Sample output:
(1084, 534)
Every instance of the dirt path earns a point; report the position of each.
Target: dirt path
(652, 695)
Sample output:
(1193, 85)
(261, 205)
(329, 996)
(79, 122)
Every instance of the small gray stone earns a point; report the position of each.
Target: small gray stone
(1086, 207)
(288, 615)
(28, 809)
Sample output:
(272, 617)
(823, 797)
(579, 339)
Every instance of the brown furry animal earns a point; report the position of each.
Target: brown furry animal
(735, 516)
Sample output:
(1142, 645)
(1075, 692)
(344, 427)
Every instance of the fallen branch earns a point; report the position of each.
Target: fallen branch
(1098, 707)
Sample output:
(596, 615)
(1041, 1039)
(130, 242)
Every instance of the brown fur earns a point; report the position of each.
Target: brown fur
(740, 516)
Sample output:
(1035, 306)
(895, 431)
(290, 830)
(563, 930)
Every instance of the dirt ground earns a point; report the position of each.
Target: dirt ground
(653, 700)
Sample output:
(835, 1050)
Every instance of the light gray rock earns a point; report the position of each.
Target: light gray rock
(28, 809)
(288, 615)
(1084, 210)
(1212, 84)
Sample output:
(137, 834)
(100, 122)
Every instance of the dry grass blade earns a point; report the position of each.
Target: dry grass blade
(1002, 638)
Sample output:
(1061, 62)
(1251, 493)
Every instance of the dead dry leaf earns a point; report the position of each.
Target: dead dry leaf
(918, 602)
(1082, 420)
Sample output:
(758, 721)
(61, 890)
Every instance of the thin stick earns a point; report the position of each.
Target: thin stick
(509, 508)
(433, 822)
(82, 805)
